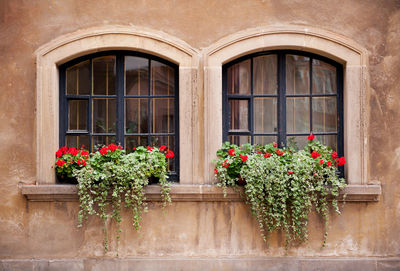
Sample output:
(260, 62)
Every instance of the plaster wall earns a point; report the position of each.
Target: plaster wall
(193, 229)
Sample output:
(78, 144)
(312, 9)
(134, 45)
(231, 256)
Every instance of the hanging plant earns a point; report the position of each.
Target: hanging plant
(283, 185)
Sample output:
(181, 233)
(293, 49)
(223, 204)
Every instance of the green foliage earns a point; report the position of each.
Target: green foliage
(112, 177)
(283, 185)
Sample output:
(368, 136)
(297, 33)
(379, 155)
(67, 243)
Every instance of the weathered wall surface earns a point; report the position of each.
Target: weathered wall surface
(48, 230)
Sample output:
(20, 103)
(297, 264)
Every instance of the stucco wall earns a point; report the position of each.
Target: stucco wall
(48, 230)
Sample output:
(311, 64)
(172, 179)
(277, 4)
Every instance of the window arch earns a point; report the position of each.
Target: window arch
(283, 96)
(122, 97)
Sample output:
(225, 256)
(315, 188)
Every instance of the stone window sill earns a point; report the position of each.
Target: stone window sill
(355, 193)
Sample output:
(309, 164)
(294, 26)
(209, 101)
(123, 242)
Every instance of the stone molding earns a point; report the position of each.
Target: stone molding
(188, 193)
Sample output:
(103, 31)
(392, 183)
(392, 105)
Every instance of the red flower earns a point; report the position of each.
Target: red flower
(321, 162)
(78, 162)
(268, 154)
(64, 149)
(84, 153)
(133, 148)
(315, 154)
(82, 146)
(311, 137)
(231, 152)
(215, 170)
(60, 163)
(259, 152)
(170, 154)
(103, 150)
(59, 153)
(112, 147)
(225, 165)
(244, 157)
(341, 161)
(275, 145)
(290, 172)
(84, 162)
(120, 147)
(278, 152)
(149, 148)
(334, 155)
(73, 151)
(226, 161)
(163, 147)
(329, 164)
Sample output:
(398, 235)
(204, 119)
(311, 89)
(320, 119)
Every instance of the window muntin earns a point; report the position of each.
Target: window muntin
(283, 96)
(120, 97)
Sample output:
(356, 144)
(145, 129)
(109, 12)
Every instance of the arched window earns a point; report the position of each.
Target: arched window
(120, 97)
(283, 96)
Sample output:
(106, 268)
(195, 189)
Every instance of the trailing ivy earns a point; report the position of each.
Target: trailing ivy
(283, 185)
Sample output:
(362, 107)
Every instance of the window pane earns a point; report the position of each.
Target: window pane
(239, 77)
(238, 140)
(298, 115)
(136, 115)
(324, 77)
(265, 80)
(297, 74)
(134, 141)
(104, 71)
(162, 79)
(239, 114)
(265, 115)
(136, 75)
(77, 115)
(78, 79)
(77, 141)
(264, 140)
(100, 141)
(163, 115)
(298, 142)
(169, 142)
(104, 115)
(324, 114)
(329, 140)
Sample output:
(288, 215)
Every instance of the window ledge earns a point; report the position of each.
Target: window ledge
(356, 193)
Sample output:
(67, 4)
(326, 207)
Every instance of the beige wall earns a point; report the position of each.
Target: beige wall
(48, 229)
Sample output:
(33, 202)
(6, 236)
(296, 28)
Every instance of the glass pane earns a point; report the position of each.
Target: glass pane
(136, 75)
(134, 141)
(104, 75)
(77, 141)
(169, 142)
(239, 114)
(265, 80)
(264, 140)
(78, 79)
(163, 115)
(100, 141)
(324, 77)
(329, 140)
(77, 115)
(265, 115)
(136, 115)
(324, 114)
(239, 76)
(298, 142)
(104, 115)
(297, 74)
(162, 79)
(238, 140)
(298, 115)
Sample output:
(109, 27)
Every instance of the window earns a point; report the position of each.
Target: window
(283, 96)
(120, 97)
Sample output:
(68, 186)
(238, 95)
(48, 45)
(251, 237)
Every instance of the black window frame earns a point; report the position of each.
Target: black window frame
(281, 95)
(119, 96)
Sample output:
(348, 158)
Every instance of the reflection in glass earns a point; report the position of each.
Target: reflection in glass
(136, 75)
(298, 115)
(263, 140)
(134, 141)
(238, 140)
(329, 140)
(265, 78)
(77, 141)
(239, 113)
(78, 79)
(265, 115)
(297, 142)
(239, 78)
(162, 79)
(104, 71)
(324, 77)
(104, 115)
(77, 115)
(297, 74)
(136, 115)
(163, 115)
(324, 114)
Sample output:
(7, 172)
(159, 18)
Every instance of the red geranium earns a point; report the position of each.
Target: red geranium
(112, 147)
(103, 150)
(334, 155)
(311, 137)
(215, 170)
(341, 161)
(315, 154)
(59, 153)
(290, 172)
(321, 162)
(170, 154)
(279, 152)
(73, 151)
(268, 154)
(231, 152)
(163, 147)
(244, 157)
(275, 145)
(329, 164)
(149, 148)
(60, 163)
